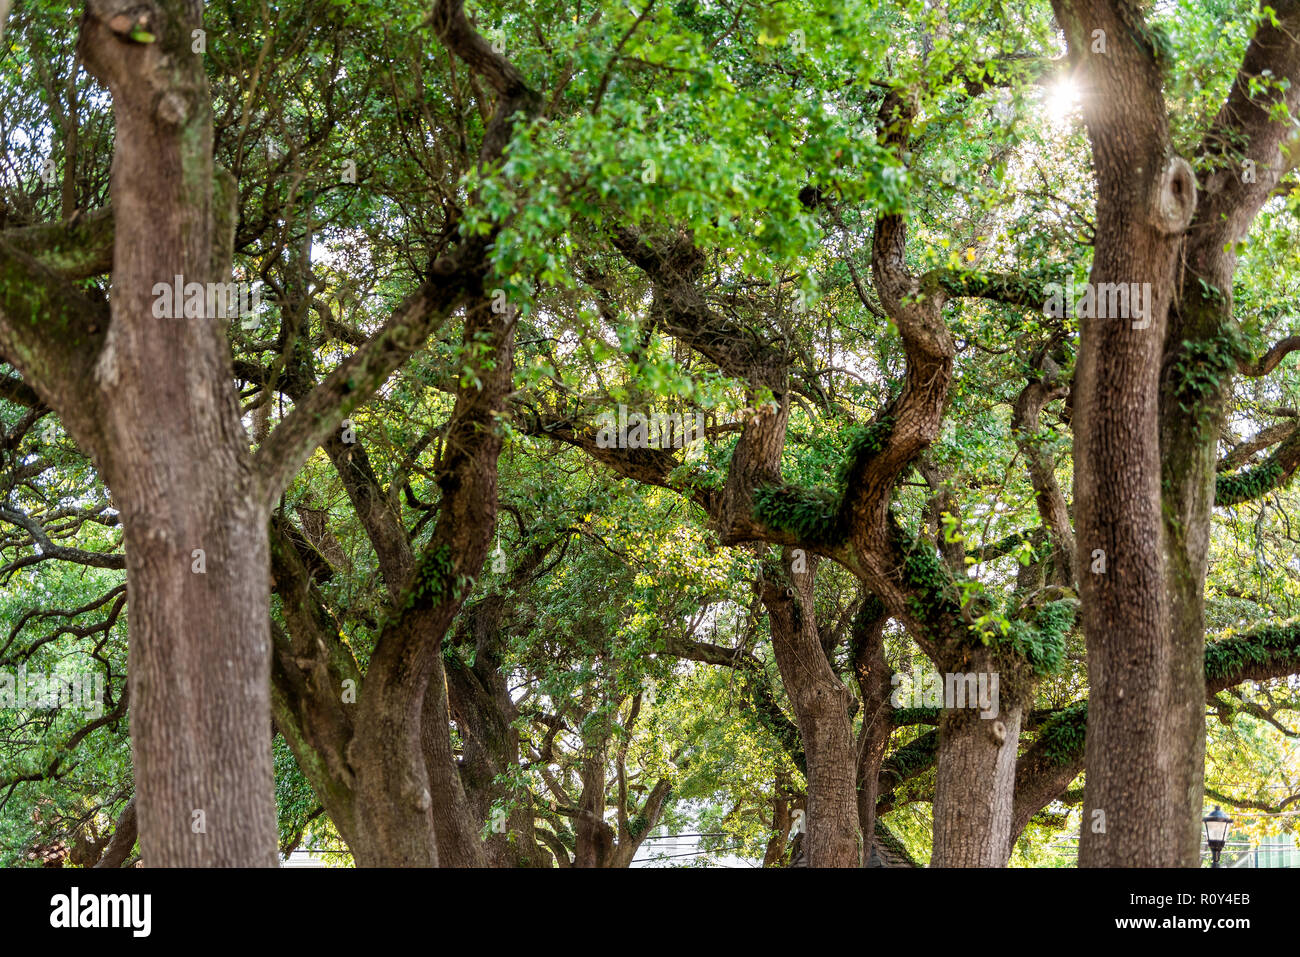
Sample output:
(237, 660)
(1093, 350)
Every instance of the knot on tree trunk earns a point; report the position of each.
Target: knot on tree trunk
(998, 732)
(1175, 199)
(123, 16)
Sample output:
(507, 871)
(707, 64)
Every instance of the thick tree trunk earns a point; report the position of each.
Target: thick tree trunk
(1131, 815)
(1145, 199)
(652, 811)
(480, 700)
(199, 671)
(314, 678)
(1249, 123)
(1189, 445)
(594, 839)
(974, 788)
(318, 761)
(455, 825)
(316, 718)
(872, 673)
(774, 854)
(395, 821)
(394, 806)
(872, 742)
(176, 456)
(821, 706)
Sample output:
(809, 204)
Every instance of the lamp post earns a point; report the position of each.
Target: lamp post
(1216, 832)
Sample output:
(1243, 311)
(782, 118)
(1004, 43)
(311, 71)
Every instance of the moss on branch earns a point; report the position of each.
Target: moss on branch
(1269, 648)
(818, 515)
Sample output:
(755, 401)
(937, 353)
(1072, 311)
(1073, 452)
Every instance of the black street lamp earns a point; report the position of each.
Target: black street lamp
(1216, 832)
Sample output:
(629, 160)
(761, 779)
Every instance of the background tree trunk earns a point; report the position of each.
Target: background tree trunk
(821, 706)
(1249, 123)
(974, 788)
(455, 825)
(873, 677)
(394, 805)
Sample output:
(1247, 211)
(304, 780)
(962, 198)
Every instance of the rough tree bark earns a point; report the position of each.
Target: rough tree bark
(152, 401)
(873, 674)
(484, 712)
(1190, 424)
(1146, 196)
(974, 794)
(454, 830)
(175, 454)
(821, 706)
(394, 805)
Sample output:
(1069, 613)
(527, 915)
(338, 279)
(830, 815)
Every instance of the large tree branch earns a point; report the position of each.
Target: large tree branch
(66, 749)
(52, 334)
(647, 466)
(674, 266)
(1046, 769)
(77, 249)
(1251, 140)
(1252, 483)
(902, 765)
(453, 278)
(879, 454)
(1052, 507)
(123, 840)
(379, 513)
(759, 696)
(1269, 360)
(1265, 437)
(322, 410)
(1009, 289)
(15, 390)
(50, 551)
(514, 96)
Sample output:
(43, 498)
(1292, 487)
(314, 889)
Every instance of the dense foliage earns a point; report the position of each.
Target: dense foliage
(693, 222)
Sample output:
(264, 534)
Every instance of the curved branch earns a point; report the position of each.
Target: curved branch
(1269, 360)
(49, 550)
(1252, 483)
(1052, 507)
(123, 841)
